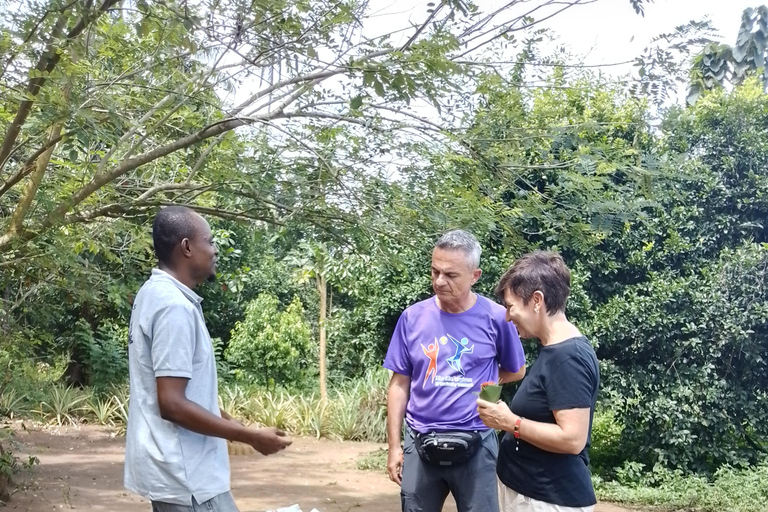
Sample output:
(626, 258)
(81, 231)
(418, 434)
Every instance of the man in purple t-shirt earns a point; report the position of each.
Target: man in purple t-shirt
(442, 350)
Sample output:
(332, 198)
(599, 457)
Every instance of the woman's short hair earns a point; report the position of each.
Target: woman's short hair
(544, 271)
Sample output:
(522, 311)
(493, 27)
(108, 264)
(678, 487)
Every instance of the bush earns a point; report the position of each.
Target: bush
(271, 347)
(732, 490)
(352, 349)
(605, 453)
(103, 353)
(355, 410)
(107, 356)
(103, 411)
(10, 464)
(26, 381)
(687, 355)
(64, 405)
(11, 403)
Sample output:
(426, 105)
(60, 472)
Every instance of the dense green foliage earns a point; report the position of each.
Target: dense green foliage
(270, 346)
(691, 385)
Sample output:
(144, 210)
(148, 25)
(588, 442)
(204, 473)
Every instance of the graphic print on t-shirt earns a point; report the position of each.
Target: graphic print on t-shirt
(461, 349)
(432, 351)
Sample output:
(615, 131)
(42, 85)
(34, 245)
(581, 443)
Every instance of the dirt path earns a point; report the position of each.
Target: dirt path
(82, 469)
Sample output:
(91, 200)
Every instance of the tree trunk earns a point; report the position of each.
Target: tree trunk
(77, 371)
(5, 316)
(323, 292)
(30, 191)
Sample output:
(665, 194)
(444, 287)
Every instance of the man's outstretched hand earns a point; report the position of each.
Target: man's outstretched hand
(268, 441)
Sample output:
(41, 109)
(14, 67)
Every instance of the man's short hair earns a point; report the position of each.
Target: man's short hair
(544, 271)
(172, 225)
(460, 240)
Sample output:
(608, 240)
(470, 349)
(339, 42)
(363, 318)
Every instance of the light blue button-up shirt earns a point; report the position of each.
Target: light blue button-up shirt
(168, 338)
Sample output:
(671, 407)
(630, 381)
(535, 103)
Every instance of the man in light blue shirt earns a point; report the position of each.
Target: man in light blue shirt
(176, 453)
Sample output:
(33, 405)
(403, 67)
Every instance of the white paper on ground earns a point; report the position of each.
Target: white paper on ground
(292, 508)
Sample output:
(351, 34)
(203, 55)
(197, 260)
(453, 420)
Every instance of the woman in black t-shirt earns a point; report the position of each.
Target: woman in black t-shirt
(543, 458)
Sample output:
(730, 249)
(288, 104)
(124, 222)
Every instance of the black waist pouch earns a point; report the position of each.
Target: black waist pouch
(447, 448)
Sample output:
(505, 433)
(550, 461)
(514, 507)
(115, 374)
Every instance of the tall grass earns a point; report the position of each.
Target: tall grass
(354, 411)
(103, 410)
(12, 403)
(312, 417)
(272, 409)
(233, 401)
(120, 397)
(63, 405)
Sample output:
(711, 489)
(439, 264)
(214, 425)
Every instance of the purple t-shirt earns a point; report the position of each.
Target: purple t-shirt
(447, 356)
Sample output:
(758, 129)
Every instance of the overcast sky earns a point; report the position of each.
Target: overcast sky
(600, 32)
(605, 31)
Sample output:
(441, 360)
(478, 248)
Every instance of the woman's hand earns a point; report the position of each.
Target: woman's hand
(496, 415)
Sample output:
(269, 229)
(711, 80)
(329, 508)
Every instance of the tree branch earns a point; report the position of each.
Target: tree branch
(130, 133)
(169, 186)
(423, 27)
(30, 191)
(58, 215)
(29, 165)
(312, 77)
(200, 161)
(509, 25)
(47, 63)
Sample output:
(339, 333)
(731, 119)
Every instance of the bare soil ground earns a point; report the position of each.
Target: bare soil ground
(81, 468)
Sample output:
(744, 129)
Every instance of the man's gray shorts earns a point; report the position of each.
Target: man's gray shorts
(221, 503)
(473, 485)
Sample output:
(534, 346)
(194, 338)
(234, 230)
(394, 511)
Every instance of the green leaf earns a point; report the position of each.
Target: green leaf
(378, 87)
(143, 28)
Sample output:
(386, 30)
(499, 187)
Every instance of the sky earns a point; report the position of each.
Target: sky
(610, 31)
(600, 32)
(604, 31)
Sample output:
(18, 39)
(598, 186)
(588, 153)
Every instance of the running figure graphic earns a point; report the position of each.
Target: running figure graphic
(461, 349)
(431, 352)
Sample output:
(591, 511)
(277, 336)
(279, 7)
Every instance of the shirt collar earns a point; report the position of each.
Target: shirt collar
(188, 293)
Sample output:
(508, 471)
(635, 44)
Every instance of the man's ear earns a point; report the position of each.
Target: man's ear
(476, 275)
(186, 248)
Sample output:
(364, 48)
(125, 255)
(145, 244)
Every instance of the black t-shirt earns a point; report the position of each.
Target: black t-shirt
(564, 376)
